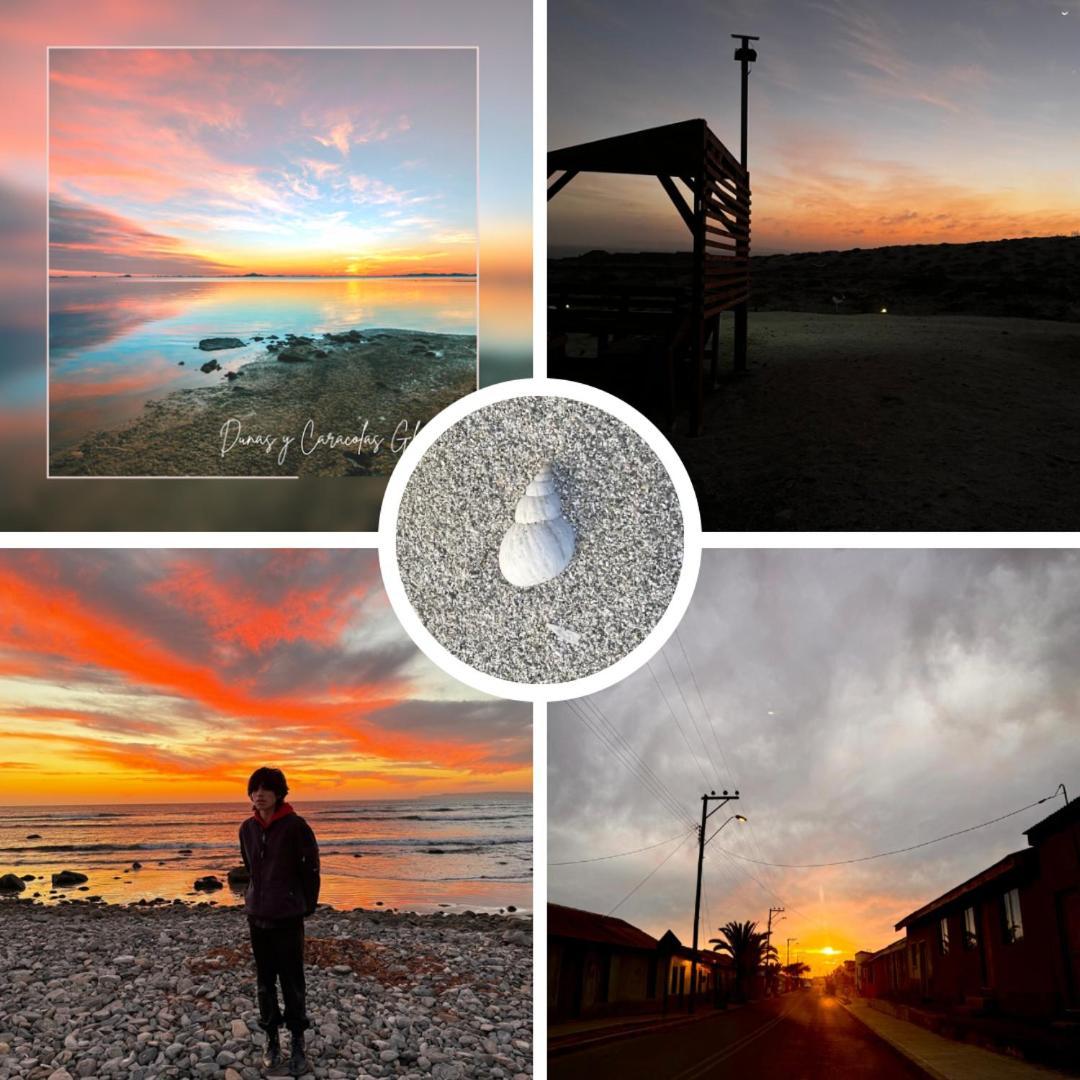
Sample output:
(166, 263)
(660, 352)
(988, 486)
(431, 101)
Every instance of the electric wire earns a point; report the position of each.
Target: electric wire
(894, 851)
(693, 753)
(706, 713)
(619, 738)
(649, 875)
(690, 714)
(620, 755)
(618, 854)
(627, 757)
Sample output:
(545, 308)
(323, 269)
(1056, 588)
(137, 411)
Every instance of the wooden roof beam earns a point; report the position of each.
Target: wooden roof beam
(560, 184)
(680, 203)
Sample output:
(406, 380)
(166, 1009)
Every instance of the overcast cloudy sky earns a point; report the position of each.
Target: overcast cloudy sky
(861, 701)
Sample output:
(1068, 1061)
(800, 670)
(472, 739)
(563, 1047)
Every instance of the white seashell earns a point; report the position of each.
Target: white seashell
(540, 543)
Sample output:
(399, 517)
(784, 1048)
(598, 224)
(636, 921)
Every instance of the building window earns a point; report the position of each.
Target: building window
(945, 937)
(971, 935)
(1014, 925)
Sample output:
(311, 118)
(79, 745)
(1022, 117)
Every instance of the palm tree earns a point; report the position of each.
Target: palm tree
(747, 947)
(796, 971)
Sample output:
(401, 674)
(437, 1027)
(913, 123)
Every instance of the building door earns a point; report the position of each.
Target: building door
(1069, 921)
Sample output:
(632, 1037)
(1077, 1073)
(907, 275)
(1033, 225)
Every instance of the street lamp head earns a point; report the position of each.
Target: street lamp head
(746, 53)
(739, 817)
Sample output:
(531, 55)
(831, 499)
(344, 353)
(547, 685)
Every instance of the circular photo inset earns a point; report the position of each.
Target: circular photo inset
(539, 539)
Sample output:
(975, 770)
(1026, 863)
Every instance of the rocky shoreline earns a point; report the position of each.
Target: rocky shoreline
(94, 991)
(330, 405)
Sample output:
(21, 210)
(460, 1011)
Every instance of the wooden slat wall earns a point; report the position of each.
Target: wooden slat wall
(727, 229)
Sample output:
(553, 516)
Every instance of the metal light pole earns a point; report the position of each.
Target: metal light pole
(746, 55)
(706, 813)
(789, 941)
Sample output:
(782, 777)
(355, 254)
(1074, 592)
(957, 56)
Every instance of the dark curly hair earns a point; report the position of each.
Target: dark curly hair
(270, 779)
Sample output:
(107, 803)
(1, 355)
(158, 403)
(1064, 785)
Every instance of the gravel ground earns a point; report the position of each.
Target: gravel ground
(92, 991)
(460, 501)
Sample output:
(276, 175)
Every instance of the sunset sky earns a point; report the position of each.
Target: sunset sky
(871, 122)
(860, 702)
(157, 676)
(323, 161)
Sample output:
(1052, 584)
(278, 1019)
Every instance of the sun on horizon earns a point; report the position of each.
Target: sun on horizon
(218, 162)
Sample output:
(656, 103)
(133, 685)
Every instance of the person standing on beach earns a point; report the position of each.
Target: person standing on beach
(282, 856)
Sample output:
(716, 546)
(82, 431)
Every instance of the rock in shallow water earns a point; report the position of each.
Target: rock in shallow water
(209, 344)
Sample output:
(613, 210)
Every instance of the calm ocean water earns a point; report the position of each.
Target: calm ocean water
(442, 853)
(116, 343)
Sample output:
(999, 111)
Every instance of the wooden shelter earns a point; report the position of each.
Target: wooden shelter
(718, 217)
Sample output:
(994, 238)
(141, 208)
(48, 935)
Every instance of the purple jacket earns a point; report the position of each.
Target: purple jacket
(283, 861)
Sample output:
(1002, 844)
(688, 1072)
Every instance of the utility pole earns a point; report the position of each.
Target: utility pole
(768, 934)
(706, 813)
(789, 941)
(746, 55)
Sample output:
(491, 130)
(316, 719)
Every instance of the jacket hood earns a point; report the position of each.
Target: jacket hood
(284, 810)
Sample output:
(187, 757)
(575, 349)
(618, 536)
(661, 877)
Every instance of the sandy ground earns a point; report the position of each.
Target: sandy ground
(391, 383)
(460, 501)
(875, 422)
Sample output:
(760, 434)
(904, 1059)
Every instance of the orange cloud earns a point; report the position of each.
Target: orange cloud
(236, 613)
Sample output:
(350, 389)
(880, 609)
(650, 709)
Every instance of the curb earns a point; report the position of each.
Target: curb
(903, 1051)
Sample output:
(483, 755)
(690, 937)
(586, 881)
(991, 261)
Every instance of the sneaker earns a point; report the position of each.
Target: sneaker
(272, 1053)
(298, 1062)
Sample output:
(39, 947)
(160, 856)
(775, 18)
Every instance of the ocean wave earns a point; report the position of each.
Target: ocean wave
(93, 848)
(419, 817)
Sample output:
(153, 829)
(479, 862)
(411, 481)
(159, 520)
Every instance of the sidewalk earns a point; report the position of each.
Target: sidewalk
(945, 1059)
(578, 1034)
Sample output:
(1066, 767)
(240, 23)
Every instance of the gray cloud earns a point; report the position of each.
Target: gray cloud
(861, 701)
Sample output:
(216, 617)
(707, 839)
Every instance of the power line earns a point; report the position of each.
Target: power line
(693, 753)
(636, 761)
(648, 875)
(894, 851)
(626, 756)
(619, 854)
(705, 711)
(690, 714)
(620, 756)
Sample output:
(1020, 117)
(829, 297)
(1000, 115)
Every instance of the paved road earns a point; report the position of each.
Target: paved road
(800, 1036)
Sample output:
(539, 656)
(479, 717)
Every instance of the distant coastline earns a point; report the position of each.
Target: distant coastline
(242, 277)
(1029, 278)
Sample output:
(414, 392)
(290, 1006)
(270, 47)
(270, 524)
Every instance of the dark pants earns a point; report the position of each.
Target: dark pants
(279, 955)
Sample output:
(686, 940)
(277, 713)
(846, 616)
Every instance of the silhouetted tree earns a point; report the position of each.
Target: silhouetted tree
(796, 971)
(746, 946)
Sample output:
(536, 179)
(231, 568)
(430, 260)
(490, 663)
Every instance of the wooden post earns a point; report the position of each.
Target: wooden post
(714, 351)
(697, 310)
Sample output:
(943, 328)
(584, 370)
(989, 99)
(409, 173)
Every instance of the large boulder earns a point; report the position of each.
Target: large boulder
(69, 877)
(210, 365)
(208, 884)
(239, 875)
(209, 344)
(11, 883)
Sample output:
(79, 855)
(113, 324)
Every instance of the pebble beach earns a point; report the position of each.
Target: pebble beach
(168, 990)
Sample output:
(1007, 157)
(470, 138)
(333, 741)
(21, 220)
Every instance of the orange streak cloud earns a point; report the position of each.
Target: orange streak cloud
(58, 623)
(236, 613)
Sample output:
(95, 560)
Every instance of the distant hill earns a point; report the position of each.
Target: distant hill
(1032, 278)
